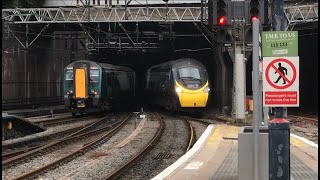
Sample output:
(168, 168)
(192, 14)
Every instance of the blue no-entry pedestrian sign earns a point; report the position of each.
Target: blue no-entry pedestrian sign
(281, 82)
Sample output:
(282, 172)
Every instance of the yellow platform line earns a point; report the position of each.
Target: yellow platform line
(222, 131)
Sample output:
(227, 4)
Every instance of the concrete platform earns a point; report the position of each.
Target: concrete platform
(16, 126)
(215, 156)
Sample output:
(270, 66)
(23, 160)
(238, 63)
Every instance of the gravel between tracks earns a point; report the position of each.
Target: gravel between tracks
(309, 132)
(173, 141)
(106, 158)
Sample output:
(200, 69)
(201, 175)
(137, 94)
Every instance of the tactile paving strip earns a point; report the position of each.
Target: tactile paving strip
(300, 171)
(229, 168)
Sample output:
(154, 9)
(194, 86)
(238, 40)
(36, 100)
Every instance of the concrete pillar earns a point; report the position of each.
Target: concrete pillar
(239, 85)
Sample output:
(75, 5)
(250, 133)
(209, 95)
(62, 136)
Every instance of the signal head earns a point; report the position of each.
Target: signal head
(253, 18)
(222, 20)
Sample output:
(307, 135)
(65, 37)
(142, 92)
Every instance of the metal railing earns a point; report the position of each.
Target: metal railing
(25, 103)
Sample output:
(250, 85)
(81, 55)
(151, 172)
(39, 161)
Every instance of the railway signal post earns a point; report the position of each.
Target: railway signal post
(256, 87)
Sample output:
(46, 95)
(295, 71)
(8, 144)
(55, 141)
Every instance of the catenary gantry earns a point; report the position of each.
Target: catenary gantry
(102, 14)
(294, 14)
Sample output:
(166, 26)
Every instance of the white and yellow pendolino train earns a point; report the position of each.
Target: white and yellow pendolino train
(178, 85)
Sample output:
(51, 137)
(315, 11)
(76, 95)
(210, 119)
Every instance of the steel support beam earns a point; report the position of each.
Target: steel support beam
(294, 14)
(95, 14)
(301, 14)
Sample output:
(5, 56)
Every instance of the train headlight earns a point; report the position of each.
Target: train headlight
(178, 89)
(94, 92)
(69, 92)
(206, 89)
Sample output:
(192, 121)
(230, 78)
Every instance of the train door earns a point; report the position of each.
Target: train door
(80, 83)
(109, 85)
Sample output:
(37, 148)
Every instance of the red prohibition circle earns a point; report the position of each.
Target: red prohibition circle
(293, 69)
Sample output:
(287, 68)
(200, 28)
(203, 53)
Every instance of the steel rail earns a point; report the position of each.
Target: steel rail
(151, 144)
(16, 153)
(192, 138)
(42, 138)
(38, 113)
(305, 119)
(55, 144)
(77, 129)
(202, 121)
(60, 121)
(76, 153)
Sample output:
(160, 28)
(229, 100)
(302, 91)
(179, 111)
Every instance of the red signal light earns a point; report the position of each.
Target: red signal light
(254, 18)
(222, 20)
(95, 92)
(68, 92)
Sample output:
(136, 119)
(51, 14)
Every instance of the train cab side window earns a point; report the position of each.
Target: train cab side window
(69, 76)
(94, 75)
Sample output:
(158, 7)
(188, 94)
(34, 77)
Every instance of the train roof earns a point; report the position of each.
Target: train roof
(177, 63)
(102, 65)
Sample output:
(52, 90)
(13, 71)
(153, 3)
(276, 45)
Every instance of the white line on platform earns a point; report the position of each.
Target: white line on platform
(186, 156)
(305, 140)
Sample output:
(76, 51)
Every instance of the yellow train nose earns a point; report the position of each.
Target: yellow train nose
(193, 99)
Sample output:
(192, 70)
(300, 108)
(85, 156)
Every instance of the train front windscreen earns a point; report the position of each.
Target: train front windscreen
(191, 77)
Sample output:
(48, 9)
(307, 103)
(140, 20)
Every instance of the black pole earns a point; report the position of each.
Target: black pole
(279, 128)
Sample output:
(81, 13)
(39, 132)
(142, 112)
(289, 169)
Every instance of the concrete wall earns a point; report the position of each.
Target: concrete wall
(36, 71)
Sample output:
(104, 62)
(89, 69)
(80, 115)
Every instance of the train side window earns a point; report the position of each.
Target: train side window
(94, 75)
(69, 76)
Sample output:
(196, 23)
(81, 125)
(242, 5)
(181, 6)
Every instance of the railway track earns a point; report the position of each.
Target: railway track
(41, 139)
(12, 154)
(192, 136)
(55, 122)
(205, 122)
(39, 113)
(13, 150)
(53, 145)
(102, 134)
(160, 152)
(303, 119)
(151, 144)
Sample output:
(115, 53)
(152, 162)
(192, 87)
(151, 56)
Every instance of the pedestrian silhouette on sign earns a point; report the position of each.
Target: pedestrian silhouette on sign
(283, 70)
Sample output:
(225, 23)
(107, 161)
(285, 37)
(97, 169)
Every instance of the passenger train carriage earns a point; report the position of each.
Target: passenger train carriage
(90, 86)
(178, 84)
